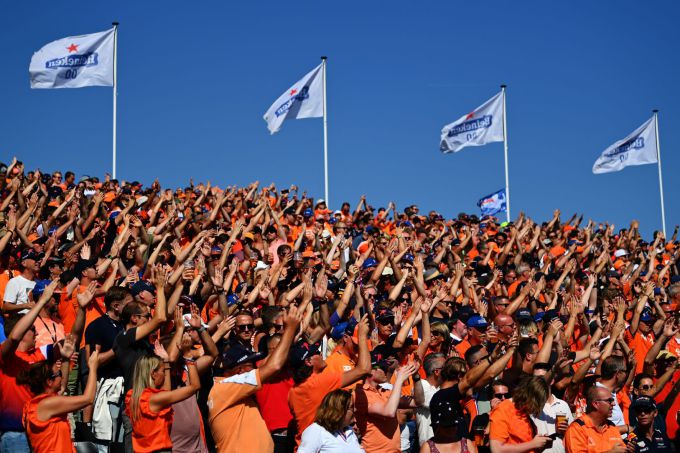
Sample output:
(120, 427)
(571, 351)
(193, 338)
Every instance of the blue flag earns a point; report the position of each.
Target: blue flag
(493, 204)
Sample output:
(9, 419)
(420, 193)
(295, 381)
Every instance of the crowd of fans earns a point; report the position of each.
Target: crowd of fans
(251, 319)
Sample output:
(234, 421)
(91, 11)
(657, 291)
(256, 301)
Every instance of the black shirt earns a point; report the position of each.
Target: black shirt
(658, 443)
(451, 394)
(103, 331)
(128, 351)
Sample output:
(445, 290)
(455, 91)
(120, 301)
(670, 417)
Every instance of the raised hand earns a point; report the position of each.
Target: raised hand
(68, 348)
(86, 296)
(160, 351)
(195, 319)
(292, 319)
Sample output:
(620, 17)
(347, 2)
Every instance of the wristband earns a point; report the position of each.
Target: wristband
(201, 329)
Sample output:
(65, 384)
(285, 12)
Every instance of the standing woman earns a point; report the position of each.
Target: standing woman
(448, 425)
(149, 402)
(44, 417)
(332, 430)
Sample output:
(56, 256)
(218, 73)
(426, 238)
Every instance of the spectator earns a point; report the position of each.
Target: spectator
(424, 391)
(593, 431)
(332, 429)
(376, 408)
(448, 425)
(312, 384)
(45, 415)
(646, 437)
(511, 428)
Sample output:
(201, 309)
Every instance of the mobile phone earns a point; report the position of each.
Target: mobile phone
(362, 311)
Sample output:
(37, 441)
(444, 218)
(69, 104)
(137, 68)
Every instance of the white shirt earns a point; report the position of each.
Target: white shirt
(546, 422)
(16, 291)
(423, 413)
(315, 439)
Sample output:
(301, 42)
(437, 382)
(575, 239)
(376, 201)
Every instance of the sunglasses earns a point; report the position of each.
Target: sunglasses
(278, 326)
(245, 327)
(500, 396)
(609, 401)
(385, 322)
(646, 387)
(144, 315)
(55, 375)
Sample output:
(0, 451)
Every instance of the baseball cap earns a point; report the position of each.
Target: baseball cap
(370, 262)
(523, 313)
(39, 288)
(408, 258)
(301, 351)
(644, 402)
(31, 255)
(445, 413)
(384, 313)
(477, 322)
(238, 354)
(84, 264)
(141, 286)
(620, 252)
(307, 213)
(232, 299)
(646, 316)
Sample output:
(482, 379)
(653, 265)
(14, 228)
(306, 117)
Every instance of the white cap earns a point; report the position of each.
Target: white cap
(620, 252)
(261, 265)
(319, 201)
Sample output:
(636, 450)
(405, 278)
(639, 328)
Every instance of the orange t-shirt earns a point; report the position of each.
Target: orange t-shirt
(510, 426)
(640, 344)
(4, 278)
(49, 436)
(338, 362)
(583, 436)
(379, 434)
(151, 432)
(235, 421)
(305, 398)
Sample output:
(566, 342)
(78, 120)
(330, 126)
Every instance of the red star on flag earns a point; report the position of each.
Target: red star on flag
(293, 91)
(72, 48)
(470, 115)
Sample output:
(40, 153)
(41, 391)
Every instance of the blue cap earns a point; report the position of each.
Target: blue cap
(370, 262)
(675, 279)
(232, 299)
(477, 321)
(39, 287)
(539, 316)
(408, 257)
(332, 220)
(657, 291)
(307, 213)
(646, 316)
(523, 313)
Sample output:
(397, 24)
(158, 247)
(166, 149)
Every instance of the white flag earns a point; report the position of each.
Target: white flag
(302, 100)
(639, 148)
(74, 62)
(479, 127)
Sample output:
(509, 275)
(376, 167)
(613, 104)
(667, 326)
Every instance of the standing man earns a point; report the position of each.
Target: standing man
(235, 421)
(312, 384)
(376, 408)
(423, 392)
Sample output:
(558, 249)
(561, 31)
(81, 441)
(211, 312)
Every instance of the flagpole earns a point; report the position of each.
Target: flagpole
(325, 136)
(115, 92)
(505, 150)
(658, 159)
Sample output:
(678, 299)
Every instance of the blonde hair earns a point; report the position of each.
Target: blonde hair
(141, 380)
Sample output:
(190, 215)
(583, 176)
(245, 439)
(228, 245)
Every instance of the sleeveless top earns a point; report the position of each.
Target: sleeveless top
(434, 449)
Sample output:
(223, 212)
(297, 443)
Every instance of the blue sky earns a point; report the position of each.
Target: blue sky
(195, 79)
